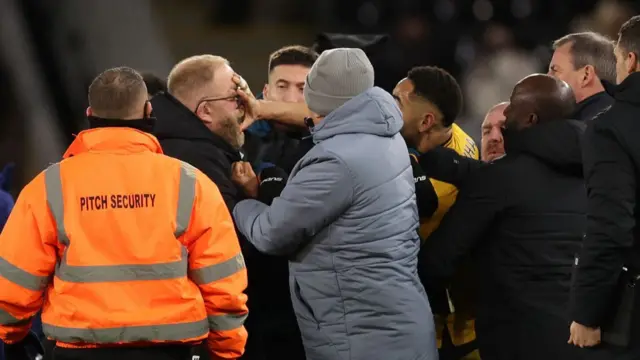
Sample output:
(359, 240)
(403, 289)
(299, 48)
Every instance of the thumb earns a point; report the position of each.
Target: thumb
(236, 168)
(244, 96)
(247, 168)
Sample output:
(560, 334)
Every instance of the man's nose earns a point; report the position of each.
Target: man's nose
(293, 96)
(495, 136)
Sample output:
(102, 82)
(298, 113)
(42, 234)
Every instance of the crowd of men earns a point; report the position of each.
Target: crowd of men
(330, 219)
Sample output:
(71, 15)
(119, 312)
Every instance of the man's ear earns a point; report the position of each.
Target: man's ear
(632, 62)
(427, 122)
(203, 112)
(89, 111)
(148, 109)
(532, 119)
(589, 76)
(265, 91)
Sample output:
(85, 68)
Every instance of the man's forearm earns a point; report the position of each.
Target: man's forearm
(286, 113)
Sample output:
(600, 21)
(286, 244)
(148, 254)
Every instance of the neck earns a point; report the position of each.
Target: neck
(144, 124)
(589, 91)
(434, 139)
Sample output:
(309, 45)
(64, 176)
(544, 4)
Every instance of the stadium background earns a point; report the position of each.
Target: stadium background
(50, 50)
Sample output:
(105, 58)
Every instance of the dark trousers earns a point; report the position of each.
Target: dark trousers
(273, 339)
(607, 352)
(161, 352)
(534, 335)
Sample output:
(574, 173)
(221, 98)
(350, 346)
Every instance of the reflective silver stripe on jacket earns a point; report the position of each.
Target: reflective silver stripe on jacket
(22, 278)
(129, 272)
(219, 271)
(169, 332)
(8, 319)
(226, 322)
(137, 272)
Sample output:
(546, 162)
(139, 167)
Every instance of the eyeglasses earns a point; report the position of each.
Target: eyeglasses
(235, 98)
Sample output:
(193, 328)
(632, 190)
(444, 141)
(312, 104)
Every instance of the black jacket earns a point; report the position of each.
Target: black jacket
(522, 216)
(183, 136)
(588, 108)
(447, 165)
(279, 148)
(612, 165)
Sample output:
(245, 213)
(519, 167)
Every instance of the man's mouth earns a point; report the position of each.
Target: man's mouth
(492, 151)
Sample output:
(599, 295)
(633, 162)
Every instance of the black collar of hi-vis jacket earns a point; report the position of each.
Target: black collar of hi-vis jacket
(144, 124)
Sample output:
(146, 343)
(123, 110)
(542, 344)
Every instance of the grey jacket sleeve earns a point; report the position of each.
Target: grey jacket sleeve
(313, 198)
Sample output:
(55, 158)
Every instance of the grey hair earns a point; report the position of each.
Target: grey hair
(590, 48)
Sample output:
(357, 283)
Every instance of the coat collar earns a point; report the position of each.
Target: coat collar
(120, 140)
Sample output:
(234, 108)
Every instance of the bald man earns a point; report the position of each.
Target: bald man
(538, 98)
(522, 217)
(492, 144)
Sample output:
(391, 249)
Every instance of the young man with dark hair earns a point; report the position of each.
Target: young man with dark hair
(276, 332)
(269, 142)
(288, 68)
(582, 60)
(431, 100)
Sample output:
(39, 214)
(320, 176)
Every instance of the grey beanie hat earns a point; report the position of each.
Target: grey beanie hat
(335, 78)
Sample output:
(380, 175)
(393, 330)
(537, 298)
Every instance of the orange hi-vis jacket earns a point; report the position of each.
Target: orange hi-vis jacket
(120, 245)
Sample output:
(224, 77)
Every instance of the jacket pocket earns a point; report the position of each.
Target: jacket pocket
(317, 339)
(301, 307)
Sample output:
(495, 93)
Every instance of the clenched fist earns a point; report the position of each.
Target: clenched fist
(243, 175)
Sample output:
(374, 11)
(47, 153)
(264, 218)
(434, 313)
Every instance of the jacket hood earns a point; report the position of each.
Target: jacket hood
(373, 112)
(556, 143)
(176, 121)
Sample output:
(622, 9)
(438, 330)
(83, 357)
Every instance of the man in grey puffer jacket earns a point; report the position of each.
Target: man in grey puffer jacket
(347, 219)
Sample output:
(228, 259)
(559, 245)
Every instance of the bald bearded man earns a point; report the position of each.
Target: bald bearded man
(492, 144)
(522, 218)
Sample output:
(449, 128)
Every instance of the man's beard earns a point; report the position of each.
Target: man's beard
(230, 131)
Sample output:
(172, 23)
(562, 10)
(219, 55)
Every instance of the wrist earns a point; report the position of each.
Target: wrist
(260, 109)
(252, 189)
